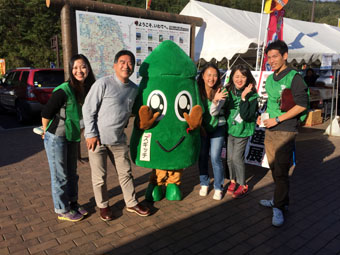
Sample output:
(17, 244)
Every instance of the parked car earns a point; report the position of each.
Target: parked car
(3, 78)
(26, 90)
(326, 78)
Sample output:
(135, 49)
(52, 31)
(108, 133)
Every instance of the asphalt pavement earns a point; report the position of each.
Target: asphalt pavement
(8, 120)
(195, 225)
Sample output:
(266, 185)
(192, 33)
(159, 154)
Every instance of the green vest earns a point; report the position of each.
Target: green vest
(209, 122)
(274, 90)
(73, 114)
(236, 127)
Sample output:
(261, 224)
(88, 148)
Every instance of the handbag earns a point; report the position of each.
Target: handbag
(286, 100)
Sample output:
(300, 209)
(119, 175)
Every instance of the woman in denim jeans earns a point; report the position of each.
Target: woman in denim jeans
(241, 108)
(61, 119)
(213, 131)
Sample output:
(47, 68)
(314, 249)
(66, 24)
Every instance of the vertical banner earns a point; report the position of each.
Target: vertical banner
(147, 4)
(275, 32)
(268, 6)
(255, 153)
(2, 66)
(338, 22)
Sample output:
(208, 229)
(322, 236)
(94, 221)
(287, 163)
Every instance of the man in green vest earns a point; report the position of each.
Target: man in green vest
(282, 126)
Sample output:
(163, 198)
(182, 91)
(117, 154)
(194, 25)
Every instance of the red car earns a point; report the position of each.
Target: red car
(25, 90)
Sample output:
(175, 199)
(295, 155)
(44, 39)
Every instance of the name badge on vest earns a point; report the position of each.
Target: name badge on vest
(238, 118)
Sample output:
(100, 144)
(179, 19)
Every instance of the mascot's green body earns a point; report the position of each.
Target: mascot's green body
(166, 136)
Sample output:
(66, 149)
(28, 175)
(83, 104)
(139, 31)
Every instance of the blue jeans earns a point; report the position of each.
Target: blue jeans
(213, 142)
(62, 159)
(235, 158)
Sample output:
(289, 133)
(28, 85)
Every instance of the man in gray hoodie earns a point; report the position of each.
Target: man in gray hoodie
(106, 112)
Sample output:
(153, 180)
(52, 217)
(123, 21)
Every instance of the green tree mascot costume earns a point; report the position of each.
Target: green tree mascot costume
(166, 135)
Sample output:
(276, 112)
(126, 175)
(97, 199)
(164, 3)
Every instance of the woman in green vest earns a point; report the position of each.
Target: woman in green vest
(61, 124)
(212, 139)
(241, 108)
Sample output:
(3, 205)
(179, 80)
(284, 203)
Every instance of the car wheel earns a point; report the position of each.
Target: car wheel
(21, 112)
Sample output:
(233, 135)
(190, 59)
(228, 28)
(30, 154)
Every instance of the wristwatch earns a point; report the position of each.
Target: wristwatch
(277, 120)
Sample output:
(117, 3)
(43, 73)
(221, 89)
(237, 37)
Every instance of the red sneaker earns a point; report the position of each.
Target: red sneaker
(241, 191)
(231, 188)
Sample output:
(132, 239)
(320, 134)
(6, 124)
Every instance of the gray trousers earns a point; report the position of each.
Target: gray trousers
(235, 158)
(119, 156)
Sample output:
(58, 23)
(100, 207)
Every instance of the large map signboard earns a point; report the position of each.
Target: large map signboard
(101, 36)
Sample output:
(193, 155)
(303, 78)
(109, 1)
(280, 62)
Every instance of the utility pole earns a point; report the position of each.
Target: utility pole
(312, 16)
(55, 47)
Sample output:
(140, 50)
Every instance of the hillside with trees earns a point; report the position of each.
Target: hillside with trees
(25, 31)
(26, 27)
(325, 12)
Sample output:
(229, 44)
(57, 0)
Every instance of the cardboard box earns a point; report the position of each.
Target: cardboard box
(314, 118)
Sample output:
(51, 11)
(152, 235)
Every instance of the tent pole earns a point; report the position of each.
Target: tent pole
(258, 39)
(337, 93)
(246, 63)
(332, 104)
(265, 42)
(235, 60)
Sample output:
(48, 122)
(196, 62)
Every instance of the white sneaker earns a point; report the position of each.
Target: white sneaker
(217, 195)
(278, 218)
(204, 191)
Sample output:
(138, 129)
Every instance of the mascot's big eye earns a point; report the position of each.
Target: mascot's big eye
(183, 103)
(157, 103)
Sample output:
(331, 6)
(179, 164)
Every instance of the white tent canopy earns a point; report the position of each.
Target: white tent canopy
(227, 32)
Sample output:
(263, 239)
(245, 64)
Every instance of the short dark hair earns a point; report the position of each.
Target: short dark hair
(245, 71)
(279, 45)
(125, 52)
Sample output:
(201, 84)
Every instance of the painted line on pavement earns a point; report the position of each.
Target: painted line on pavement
(17, 128)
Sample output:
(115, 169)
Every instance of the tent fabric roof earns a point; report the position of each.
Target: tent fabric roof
(227, 32)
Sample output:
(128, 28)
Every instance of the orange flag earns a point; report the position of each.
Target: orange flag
(148, 4)
(274, 5)
(2, 66)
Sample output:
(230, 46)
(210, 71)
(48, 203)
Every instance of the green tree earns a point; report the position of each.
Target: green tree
(26, 28)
